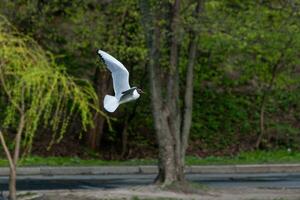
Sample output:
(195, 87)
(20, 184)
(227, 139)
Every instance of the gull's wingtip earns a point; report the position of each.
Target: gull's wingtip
(103, 54)
(99, 51)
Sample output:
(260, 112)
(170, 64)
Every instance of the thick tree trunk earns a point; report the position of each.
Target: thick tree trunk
(166, 110)
(167, 113)
(173, 103)
(168, 170)
(95, 134)
(166, 159)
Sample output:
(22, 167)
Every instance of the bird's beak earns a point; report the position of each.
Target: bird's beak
(141, 91)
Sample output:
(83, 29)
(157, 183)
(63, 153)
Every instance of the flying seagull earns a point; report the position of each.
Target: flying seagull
(123, 92)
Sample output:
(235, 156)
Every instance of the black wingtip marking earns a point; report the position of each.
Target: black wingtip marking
(100, 56)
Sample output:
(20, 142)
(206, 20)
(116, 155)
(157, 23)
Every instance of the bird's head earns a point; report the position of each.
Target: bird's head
(140, 91)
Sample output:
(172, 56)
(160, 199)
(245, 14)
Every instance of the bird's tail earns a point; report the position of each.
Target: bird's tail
(111, 103)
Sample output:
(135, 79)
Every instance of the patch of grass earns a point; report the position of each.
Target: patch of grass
(254, 157)
(75, 161)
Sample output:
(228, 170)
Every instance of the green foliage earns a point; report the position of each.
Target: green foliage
(73, 31)
(38, 89)
(221, 130)
(239, 44)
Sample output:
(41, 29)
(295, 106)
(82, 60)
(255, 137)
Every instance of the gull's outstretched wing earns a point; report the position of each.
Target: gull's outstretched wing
(119, 73)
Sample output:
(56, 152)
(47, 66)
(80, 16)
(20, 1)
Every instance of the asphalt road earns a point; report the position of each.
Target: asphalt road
(266, 180)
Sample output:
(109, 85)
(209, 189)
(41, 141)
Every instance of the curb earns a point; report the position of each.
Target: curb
(152, 169)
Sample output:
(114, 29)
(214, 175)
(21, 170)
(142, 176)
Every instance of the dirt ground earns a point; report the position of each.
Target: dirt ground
(152, 192)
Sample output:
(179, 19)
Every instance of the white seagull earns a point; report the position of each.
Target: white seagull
(123, 92)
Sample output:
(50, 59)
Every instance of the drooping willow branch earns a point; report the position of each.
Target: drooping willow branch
(38, 91)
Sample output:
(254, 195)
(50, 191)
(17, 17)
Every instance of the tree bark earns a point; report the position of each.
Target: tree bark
(12, 183)
(173, 103)
(18, 139)
(166, 153)
(95, 134)
(12, 169)
(166, 111)
(172, 133)
(188, 96)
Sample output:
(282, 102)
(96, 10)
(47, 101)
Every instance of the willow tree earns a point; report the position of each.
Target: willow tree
(36, 92)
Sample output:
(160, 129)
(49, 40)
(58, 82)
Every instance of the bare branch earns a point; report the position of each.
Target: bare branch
(2, 79)
(6, 150)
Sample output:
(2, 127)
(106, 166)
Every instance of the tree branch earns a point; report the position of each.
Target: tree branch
(173, 78)
(188, 97)
(18, 139)
(8, 92)
(6, 150)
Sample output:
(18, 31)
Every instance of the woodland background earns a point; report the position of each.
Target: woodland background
(246, 75)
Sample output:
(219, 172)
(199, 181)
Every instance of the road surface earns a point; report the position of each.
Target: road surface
(265, 180)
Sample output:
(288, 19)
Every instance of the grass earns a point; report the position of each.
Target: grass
(254, 157)
(75, 161)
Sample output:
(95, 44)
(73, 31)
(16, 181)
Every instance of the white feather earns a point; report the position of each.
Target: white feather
(111, 103)
(119, 73)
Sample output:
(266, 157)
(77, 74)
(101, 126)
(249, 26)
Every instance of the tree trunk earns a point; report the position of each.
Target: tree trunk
(168, 171)
(124, 139)
(188, 100)
(95, 134)
(172, 131)
(12, 168)
(261, 121)
(166, 110)
(173, 103)
(12, 183)
(276, 67)
(167, 113)
(13, 158)
(264, 101)
(188, 96)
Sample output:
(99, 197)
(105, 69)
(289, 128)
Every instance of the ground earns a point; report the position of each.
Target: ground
(153, 193)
